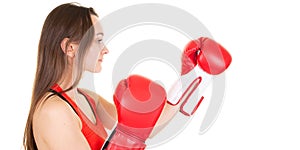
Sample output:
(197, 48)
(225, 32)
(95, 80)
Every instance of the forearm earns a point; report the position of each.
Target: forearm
(166, 116)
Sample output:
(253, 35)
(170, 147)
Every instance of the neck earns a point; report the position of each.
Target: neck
(67, 81)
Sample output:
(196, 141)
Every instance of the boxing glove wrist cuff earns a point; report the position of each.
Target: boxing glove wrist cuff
(122, 140)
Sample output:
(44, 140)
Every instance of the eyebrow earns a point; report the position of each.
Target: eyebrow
(100, 33)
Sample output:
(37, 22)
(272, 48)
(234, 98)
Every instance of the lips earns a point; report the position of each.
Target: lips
(100, 60)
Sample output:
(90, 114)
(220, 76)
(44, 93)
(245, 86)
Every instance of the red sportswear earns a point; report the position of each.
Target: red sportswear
(94, 133)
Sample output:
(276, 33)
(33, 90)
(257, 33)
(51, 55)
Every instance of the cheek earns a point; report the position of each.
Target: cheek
(92, 57)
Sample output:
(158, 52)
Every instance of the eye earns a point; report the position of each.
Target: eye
(100, 41)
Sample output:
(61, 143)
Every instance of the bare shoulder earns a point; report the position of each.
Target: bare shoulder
(55, 118)
(55, 107)
(54, 112)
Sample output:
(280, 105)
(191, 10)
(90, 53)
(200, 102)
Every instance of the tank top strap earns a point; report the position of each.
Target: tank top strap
(93, 106)
(57, 90)
(89, 98)
(94, 133)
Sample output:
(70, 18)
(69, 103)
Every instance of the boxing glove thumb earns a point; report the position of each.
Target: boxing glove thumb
(213, 58)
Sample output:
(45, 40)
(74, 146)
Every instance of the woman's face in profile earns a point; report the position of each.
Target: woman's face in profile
(97, 50)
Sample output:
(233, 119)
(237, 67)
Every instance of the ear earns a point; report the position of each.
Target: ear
(68, 48)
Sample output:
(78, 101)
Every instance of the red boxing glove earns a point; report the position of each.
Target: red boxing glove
(139, 102)
(212, 58)
(208, 54)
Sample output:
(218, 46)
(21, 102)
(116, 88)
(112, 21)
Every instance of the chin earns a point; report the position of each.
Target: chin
(97, 70)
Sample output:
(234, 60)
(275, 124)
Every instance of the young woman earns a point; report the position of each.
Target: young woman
(61, 115)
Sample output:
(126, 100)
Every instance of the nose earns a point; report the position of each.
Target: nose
(105, 50)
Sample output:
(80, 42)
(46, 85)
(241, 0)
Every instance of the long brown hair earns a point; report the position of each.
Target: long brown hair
(65, 21)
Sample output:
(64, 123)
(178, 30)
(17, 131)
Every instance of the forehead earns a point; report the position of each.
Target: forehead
(96, 24)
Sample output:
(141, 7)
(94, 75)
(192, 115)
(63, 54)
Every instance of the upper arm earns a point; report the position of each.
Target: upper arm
(57, 127)
(105, 110)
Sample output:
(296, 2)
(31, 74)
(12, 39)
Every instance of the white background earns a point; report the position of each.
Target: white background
(261, 108)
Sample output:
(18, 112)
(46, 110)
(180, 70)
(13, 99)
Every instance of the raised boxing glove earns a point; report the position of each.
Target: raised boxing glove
(209, 56)
(139, 103)
(212, 57)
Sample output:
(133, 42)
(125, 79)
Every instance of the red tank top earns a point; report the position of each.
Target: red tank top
(95, 134)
